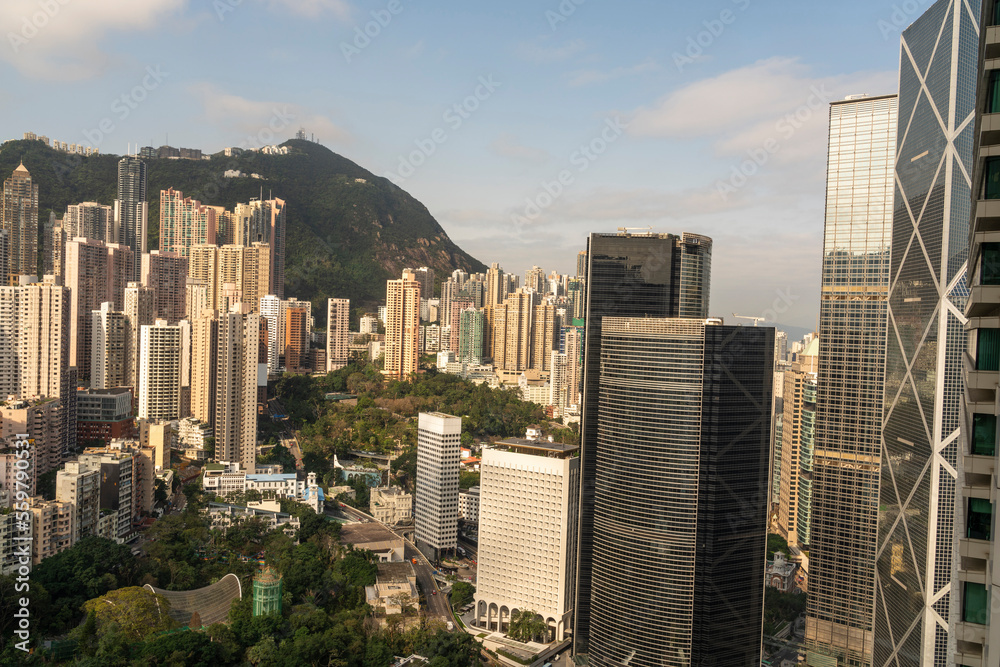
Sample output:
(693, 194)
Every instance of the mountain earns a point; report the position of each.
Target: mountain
(348, 230)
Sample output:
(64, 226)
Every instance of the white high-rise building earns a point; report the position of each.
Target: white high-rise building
(80, 484)
(338, 323)
(527, 533)
(438, 454)
(160, 372)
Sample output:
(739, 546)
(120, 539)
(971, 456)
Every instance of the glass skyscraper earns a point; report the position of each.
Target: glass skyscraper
(627, 276)
(849, 392)
(680, 508)
(926, 339)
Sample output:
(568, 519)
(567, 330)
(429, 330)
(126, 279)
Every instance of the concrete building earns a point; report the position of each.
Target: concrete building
(468, 505)
(246, 269)
(166, 274)
(436, 508)
(19, 218)
(238, 374)
(390, 505)
(386, 545)
(851, 379)
(197, 296)
(471, 336)
(204, 365)
(79, 485)
(104, 414)
(184, 222)
(395, 588)
(119, 493)
(402, 325)
(95, 273)
(43, 420)
(798, 433)
(338, 324)
(296, 339)
(140, 310)
(160, 372)
(108, 349)
(51, 527)
(10, 339)
(527, 533)
(90, 220)
(975, 583)
(10, 558)
(263, 221)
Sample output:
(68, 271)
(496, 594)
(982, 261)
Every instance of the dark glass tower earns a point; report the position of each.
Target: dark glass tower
(627, 276)
(131, 209)
(928, 293)
(680, 511)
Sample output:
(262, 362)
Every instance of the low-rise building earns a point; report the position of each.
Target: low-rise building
(374, 537)
(193, 436)
(395, 588)
(223, 516)
(782, 574)
(103, 415)
(391, 505)
(51, 527)
(80, 484)
(468, 505)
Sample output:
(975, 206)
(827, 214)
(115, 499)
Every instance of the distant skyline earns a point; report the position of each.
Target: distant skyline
(523, 127)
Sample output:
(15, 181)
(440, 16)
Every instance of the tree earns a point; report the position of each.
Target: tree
(160, 494)
(137, 612)
(461, 594)
(526, 626)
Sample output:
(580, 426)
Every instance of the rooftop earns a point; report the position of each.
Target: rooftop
(368, 533)
(537, 447)
(395, 573)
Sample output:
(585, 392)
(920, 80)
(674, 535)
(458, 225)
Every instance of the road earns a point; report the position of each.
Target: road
(437, 605)
(274, 407)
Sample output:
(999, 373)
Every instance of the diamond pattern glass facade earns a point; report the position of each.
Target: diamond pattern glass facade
(852, 329)
(926, 338)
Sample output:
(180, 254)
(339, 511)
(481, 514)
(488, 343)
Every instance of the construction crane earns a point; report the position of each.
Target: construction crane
(755, 319)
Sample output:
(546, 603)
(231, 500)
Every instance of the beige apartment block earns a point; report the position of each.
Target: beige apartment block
(338, 324)
(402, 326)
(166, 274)
(160, 372)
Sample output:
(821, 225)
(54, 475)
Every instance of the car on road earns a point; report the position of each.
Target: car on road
(434, 592)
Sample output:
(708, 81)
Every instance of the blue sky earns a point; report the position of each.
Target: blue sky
(573, 116)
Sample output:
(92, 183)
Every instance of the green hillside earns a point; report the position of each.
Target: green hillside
(345, 236)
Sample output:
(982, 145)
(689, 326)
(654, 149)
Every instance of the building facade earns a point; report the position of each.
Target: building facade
(849, 397)
(338, 326)
(527, 533)
(19, 218)
(402, 324)
(131, 210)
(679, 531)
(436, 506)
(160, 372)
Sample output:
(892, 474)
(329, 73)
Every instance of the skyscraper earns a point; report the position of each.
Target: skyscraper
(236, 388)
(166, 274)
(338, 325)
(852, 331)
(628, 276)
(184, 222)
(680, 492)
(402, 325)
(927, 339)
(974, 591)
(109, 336)
(19, 218)
(472, 325)
(131, 209)
(695, 275)
(204, 367)
(160, 372)
(263, 221)
(527, 533)
(296, 338)
(436, 505)
(798, 435)
(139, 311)
(90, 220)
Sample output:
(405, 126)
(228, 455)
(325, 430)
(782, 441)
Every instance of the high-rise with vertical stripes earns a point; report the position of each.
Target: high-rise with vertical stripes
(849, 395)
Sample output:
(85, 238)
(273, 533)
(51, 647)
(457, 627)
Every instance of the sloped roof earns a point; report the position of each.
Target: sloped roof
(211, 602)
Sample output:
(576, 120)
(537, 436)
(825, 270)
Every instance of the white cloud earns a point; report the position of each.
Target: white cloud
(592, 76)
(62, 40)
(543, 51)
(507, 145)
(262, 121)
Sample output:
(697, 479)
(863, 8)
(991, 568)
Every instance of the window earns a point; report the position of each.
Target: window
(979, 519)
(975, 604)
(988, 350)
(989, 273)
(993, 93)
(991, 178)
(984, 434)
